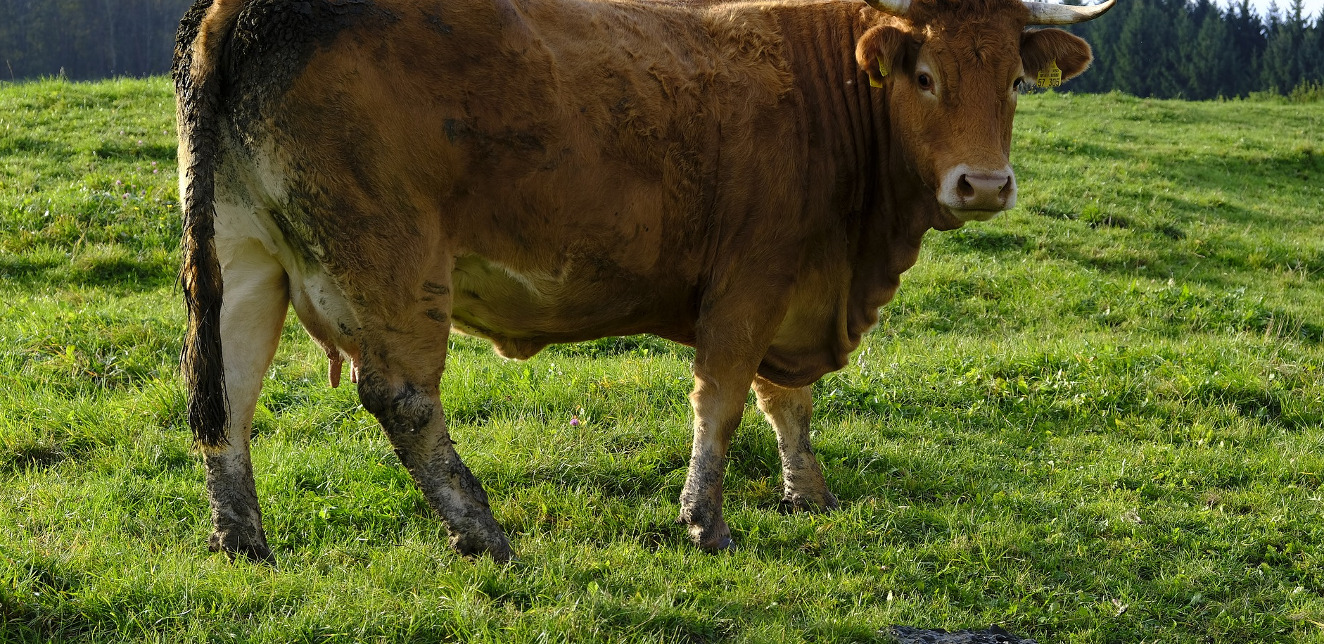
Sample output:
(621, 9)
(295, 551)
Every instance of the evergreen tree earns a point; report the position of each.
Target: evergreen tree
(87, 39)
(1161, 48)
(1173, 74)
(1102, 35)
(1281, 68)
(1133, 50)
(1212, 59)
(1312, 57)
(1248, 41)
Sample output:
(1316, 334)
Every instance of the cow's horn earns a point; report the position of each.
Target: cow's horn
(1046, 13)
(894, 7)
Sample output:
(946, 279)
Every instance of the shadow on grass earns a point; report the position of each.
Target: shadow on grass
(65, 605)
(23, 621)
(151, 152)
(122, 272)
(619, 479)
(683, 624)
(624, 345)
(33, 456)
(1264, 173)
(986, 240)
(1269, 171)
(1043, 142)
(26, 146)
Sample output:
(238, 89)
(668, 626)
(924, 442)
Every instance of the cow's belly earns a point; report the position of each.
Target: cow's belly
(584, 299)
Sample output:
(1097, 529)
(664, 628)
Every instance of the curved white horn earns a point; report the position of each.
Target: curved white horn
(894, 7)
(1045, 13)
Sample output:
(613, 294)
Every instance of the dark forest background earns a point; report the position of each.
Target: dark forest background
(1197, 50)
(1162, 48)
(87, 39)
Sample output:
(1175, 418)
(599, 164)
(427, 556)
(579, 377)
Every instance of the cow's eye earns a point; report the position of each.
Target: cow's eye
(925, 82)
(1018, 84)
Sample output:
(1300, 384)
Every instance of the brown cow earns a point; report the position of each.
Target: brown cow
(749, 178)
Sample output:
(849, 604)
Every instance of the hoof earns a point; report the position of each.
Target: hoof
(725, 543)
(235, 545)
(714, 538)
(808, 503)
(495, 546)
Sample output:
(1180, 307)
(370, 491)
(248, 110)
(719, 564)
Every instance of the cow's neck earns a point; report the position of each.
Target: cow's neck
(885, 207)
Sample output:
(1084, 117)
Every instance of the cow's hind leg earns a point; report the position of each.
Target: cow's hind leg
(789, 411)
(252, 313)
(398, 383)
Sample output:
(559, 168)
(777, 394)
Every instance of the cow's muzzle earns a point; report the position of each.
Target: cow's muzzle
(976, 193)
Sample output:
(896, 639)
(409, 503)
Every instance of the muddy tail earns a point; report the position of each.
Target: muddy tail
(197, 68)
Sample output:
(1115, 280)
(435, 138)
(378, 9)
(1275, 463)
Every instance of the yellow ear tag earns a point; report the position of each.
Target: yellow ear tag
(1049, 76)
(882, 71)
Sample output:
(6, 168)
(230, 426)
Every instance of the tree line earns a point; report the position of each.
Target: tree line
(1162, 48)
(1194, 49)
(87, 39)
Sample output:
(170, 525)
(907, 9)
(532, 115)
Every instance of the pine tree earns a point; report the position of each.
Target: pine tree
(1173, 74)
(1102, 34)
(1281, 67)
(1131, 71)
(1312, 64)
(1162, 48)
(1247, 32)
(87, 39)
(1212, 60)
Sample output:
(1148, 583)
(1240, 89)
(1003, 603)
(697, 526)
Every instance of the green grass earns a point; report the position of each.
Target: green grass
(1097, 418)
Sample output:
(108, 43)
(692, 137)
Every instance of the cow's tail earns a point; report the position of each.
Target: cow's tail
(197, 69)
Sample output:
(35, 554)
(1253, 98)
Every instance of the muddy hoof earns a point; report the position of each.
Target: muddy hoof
(712, 538)
(724, 543)
(235, 545)
(497, 547)
(827, 502)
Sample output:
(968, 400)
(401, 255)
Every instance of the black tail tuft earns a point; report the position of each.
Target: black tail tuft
(198, 96)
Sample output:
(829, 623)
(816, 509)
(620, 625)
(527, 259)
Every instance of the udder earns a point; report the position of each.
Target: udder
(325, 313)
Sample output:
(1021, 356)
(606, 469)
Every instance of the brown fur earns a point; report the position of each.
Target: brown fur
(543, 171)
(1041, 46)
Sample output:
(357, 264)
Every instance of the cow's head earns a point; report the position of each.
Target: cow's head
(951, 71)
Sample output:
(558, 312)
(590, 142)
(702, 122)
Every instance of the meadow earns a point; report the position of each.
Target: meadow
(1097, 418)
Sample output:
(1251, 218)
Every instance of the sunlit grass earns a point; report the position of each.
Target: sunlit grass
(1097, 418)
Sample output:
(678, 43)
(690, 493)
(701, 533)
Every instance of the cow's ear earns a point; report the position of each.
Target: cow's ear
(879, 50)
(1045, 51)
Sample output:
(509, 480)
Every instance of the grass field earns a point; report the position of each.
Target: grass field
(1097, 418)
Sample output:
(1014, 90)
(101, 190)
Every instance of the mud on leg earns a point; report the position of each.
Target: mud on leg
(252, 314)
(789, 411)
(400, 387)
(718, 400)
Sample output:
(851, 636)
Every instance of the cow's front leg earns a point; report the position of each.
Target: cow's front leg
(252, 313)
(789, 411)
(398, 383)
(718, 400)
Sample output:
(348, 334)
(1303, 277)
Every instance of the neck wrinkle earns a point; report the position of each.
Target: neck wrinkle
(883, 207)
(849, 128)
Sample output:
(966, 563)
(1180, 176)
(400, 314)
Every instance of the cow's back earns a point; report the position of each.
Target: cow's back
(584, 163)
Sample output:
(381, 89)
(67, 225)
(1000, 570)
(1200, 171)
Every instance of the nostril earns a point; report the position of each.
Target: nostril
(964, 189)
(976, 189)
